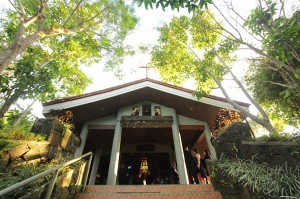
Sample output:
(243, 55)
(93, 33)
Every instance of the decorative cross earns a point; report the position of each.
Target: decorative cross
(146, 67)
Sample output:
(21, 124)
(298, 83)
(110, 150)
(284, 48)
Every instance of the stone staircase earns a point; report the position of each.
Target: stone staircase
(149, 192)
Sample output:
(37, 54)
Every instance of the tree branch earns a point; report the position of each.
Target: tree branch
(38, 14)
(227, 20)
(73, 12)
(279, 84)
(282, 9)
(22, 10)
(263, 113)
(13, 5)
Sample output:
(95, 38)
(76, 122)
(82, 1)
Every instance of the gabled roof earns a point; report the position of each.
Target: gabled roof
(107, 101)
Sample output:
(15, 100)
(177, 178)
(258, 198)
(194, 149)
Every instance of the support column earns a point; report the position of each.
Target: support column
(207, 134)
(83, 135)
(183, 177)
(95, 165)
(115, 152)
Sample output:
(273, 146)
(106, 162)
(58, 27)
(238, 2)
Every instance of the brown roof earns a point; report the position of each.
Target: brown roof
(132, 83)
(190, 108)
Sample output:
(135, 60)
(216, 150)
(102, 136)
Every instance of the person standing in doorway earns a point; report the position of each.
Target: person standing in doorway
(191, 166)
(200, 170)
(203, 163)
(149, 178)
(123, 178)
(174, 173)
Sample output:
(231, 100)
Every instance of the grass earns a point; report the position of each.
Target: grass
(6, 145)
(19, 174)
(18, 134)
(10, 138)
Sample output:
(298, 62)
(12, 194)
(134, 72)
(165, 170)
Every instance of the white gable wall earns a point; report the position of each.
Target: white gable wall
(111, 119)
(182, 120)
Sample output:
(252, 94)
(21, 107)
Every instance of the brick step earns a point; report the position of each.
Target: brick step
(177, 195)
(148, 188)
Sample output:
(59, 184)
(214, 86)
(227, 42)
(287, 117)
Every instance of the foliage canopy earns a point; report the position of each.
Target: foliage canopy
(44, 44)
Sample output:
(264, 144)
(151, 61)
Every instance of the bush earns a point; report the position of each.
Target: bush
(26, 171)
(278, 182)
(19, 134)
(282, 137)
(5, 145)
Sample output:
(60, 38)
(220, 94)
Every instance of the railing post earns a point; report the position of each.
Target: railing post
(87, 172)
(51, 184)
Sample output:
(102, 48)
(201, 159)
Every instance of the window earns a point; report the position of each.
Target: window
(146, 109)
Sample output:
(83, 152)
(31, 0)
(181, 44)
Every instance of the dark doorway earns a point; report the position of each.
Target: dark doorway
(158, 164)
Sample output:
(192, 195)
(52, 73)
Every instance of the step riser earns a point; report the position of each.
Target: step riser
(149, 188)
(149, 192)
(212, 195)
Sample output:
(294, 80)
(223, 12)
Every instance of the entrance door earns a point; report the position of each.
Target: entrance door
(158, 165)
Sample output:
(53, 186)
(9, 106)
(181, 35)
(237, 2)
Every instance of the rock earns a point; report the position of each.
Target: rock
(52, 152)
(55, 137)
(70, 142)
(46, 125)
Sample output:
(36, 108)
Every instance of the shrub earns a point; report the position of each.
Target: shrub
(18, 134)
(278, 182)
(282, 137)
(26, 171)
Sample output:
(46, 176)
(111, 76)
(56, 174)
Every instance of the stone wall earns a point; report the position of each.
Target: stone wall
(235, 142)
(58, 142)
(25, 152)
(229, 143)
(273, 153)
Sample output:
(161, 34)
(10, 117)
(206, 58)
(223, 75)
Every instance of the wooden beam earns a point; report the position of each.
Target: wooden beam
(91, 127)
(192, 127)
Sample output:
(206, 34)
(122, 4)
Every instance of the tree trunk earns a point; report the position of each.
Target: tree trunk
(7, 104)
(23, 114)
(264, 122)
(19, 46)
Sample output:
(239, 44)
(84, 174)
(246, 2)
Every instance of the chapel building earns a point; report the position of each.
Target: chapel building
(141, 120)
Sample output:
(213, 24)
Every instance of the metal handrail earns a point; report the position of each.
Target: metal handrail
(52, 182)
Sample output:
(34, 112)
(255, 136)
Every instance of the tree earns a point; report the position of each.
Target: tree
(275, 87)
(178, 60)
(269, 33)
(281, 103)
(43, 76)
(48, 65)
(175, 4)
(23, 114)
(101, 25)
(272, 35)
(280, 41)
(12, 115)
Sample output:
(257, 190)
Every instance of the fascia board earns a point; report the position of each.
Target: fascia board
(102, 96)
(190, 96)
